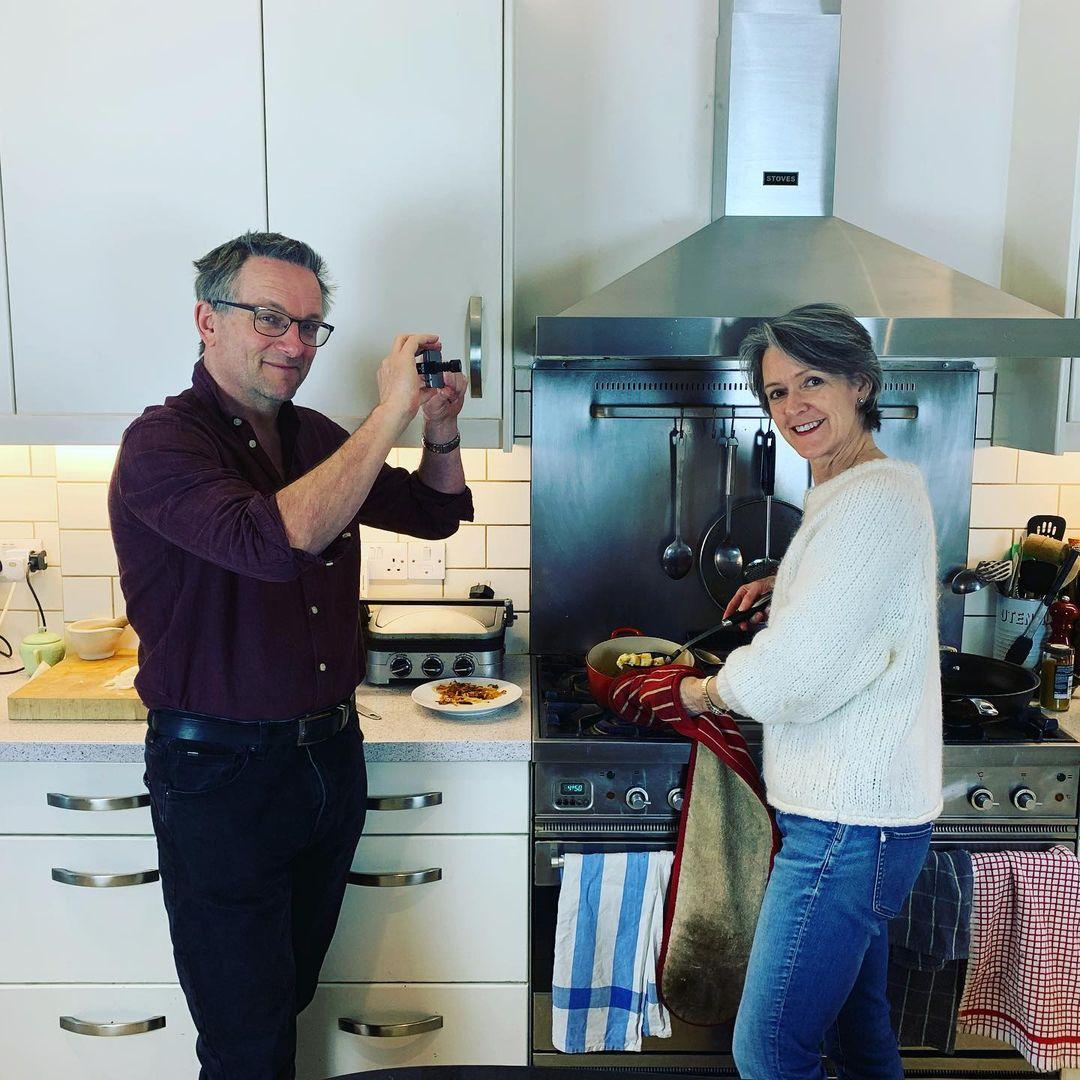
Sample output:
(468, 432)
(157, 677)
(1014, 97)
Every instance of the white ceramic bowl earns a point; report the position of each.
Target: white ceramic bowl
(95, 639)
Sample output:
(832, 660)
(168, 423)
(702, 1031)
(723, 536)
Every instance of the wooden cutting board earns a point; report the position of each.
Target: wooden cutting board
(75, 690)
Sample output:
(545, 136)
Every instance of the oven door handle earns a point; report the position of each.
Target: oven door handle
(549, 855)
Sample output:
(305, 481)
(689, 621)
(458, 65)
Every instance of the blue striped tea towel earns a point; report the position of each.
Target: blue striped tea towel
(608, 935)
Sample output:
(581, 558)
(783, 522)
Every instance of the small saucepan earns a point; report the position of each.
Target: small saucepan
(977, 690)
(600, 660)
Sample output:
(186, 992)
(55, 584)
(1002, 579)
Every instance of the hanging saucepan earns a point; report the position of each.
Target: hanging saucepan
(978, 690)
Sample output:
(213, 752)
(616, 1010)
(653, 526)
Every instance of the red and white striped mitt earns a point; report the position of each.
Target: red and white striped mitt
(652, 697)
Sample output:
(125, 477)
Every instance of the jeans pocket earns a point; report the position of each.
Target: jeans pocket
(901, 855)
(194, 769)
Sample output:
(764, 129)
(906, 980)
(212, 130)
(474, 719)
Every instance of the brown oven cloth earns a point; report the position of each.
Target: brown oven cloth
(729, 838)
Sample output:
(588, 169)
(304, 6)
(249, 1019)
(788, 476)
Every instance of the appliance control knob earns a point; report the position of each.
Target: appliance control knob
(1025, 799)
(432, 667)
(637, 798)
(464, 665)
(401, 667)
(675, 798)
(982, 799)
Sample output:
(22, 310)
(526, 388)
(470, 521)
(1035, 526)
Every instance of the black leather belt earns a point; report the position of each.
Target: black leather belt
(252, 734)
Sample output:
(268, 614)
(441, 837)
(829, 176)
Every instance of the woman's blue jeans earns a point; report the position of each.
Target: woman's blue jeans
(817, 967)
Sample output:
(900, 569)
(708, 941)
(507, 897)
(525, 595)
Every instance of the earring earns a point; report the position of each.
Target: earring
(862, 401)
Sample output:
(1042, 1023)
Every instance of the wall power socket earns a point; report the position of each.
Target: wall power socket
(16, 556)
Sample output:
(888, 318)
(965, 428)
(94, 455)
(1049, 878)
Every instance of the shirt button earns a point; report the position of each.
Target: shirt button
(346, 536)
(330, 563)
(237, 421)
(252, 443)
(314, 610)
(322, 667)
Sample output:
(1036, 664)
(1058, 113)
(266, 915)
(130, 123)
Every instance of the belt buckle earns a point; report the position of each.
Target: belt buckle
(302, 733)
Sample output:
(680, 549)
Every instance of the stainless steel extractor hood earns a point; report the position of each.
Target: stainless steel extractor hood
(775, 243)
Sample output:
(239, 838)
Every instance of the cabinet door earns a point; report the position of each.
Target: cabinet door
(36, 1046)
(384, 152)
(7, 388)
(132, 143)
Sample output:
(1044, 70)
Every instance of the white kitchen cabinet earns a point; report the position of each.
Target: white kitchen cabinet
(384, 149)
(35, 1046)
(131, 143)
(7, 385)
(480, 1025)
(468, 924)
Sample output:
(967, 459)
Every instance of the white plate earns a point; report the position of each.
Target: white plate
(425, 695)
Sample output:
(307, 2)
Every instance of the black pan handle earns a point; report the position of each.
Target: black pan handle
(768, 463)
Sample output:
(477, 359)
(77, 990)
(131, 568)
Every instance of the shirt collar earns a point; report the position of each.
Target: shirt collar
(211, 395)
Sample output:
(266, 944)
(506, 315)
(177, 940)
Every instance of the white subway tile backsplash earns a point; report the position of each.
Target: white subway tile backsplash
(27, 499)
(88, 553)
(382, 589)
(1010, 505)
(48, 584)
(368, 535)
(87, 598)
(508, 545)
(466, 547)
(85, 462)
(83, 506)
(1069, 508)
(517, 465)
(118, 602)
(506, 583)
(994, 465)
(43, 460)
(47, 533)
(17, 625)
(988, 544)
(16, 530)
(501, 504)
(14, 460)
(1048, 468)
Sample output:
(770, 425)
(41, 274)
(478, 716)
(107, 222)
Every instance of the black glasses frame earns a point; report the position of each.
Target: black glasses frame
(256, 308)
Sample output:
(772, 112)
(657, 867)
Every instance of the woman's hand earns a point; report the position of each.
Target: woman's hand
(745, 595)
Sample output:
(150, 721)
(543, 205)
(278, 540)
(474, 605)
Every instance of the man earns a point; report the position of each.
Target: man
(235, 517)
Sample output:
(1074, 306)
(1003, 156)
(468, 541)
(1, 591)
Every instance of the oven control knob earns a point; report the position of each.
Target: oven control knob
(637, 798)
(401, 667)
(982, 799)
(675, 798)
(1025, 799)
(432, 667)
(464, 665)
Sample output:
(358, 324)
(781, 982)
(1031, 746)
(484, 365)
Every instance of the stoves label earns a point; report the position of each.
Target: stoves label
(780, 179)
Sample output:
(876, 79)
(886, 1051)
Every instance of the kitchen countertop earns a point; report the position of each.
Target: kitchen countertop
(405, 731)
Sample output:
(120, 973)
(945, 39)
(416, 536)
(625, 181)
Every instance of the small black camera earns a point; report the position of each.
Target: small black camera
(431, 366)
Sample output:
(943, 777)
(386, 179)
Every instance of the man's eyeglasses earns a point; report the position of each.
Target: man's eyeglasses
(273, 323)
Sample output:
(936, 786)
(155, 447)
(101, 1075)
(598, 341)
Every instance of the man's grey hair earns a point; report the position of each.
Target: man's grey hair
(826, 337)
(218, 269)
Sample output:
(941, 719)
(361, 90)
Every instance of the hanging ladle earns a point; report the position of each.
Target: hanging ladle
(727, 558)
(678, 557)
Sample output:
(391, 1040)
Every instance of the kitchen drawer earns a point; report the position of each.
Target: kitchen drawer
(55, 932)
(476, 796)
(481, 1025)
(26, 785)
(35, 1047)
(471, 925)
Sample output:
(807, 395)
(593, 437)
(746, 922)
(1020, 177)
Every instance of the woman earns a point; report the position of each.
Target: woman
(845, 681)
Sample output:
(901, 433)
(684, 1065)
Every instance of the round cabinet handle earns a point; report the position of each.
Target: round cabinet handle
(113, 1027)
(97, 802)
(476, 346)
(390, 1031)
(395, 879)
(404, 802)
(103, 881)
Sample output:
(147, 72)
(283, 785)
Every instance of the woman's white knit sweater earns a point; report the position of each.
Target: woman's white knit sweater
(845, 679)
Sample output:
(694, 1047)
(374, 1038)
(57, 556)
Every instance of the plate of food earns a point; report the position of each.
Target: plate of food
(466, 697)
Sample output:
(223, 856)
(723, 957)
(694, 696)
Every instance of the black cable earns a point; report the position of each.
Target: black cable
(6, 650)
(35, 596)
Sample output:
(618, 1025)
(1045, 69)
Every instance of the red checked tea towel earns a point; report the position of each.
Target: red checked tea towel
(1023, 983)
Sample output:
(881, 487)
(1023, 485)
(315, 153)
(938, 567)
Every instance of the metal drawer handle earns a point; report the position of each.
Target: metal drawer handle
(390, 1031)
(113, 1027)
(476, 346)
(97, 802)
(394, 879)
(103, 881)
(404, 802)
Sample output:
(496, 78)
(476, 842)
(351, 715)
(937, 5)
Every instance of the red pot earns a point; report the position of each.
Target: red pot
(600, 660)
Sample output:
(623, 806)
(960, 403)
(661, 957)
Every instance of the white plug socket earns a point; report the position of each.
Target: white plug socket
(14, 558)
(427, 560)
(385, 561)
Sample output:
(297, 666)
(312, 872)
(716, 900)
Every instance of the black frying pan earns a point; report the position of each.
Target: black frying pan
(979, 690)
(748, 531)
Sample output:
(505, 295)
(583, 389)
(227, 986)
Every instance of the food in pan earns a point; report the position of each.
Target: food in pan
(639, 659)
(467, 693)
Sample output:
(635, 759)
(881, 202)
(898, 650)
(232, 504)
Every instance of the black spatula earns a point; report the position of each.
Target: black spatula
(1047, 525)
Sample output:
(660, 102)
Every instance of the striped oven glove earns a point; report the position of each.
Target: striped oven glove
(652, 697)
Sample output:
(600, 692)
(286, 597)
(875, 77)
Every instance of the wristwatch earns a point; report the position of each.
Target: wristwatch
(444, 447)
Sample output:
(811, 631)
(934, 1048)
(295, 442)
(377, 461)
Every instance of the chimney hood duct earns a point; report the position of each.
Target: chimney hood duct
(775, 244)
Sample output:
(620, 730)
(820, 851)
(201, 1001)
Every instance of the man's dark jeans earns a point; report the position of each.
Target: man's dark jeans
(253, 847)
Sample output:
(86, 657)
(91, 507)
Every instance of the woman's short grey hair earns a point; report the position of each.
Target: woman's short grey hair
(825, 337)
(217, 270)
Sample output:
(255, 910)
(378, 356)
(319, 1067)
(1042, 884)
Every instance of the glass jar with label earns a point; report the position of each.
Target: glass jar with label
(1056, 677)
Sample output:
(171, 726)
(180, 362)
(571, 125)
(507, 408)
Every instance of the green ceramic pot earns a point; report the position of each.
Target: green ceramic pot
(42, 647)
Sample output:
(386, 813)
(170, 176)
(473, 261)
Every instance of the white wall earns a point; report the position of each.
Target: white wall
(613, 129)
(924, 125)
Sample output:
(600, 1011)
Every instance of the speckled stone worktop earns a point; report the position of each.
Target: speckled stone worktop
(404, 731)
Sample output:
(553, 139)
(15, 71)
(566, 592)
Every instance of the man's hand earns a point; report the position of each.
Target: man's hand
(442, 408)
(401, 388)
